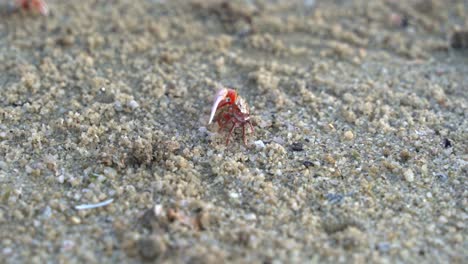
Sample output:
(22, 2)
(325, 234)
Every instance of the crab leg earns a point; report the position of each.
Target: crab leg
(230, 133)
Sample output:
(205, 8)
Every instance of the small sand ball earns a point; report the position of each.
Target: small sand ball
(409, 175)
(348, 135)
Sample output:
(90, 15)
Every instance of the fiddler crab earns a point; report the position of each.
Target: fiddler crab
(34, 5)
(230, 108)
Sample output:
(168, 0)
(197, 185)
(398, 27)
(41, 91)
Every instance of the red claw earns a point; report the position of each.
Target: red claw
(230, 108)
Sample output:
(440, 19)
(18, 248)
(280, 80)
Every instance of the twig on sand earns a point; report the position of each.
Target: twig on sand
(92, 206)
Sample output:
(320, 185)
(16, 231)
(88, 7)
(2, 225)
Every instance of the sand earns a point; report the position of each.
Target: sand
(359, 152)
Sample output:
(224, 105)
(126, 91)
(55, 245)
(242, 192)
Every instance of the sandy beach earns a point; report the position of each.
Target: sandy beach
(359, 152)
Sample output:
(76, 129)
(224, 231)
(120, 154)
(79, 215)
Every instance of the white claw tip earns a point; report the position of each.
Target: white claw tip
(220, 96)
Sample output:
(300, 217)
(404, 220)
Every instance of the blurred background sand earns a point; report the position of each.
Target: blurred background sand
(359, 152)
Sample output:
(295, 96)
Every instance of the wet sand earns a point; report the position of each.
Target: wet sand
(359, 152)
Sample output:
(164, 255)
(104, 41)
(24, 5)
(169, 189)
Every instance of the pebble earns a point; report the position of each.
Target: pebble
(202, 130)
(46, 212)
(158, 210)
(75, 220)
(308, 163)
(101, 178)
(443, 219)
(348, 135)
(297, 146)
(3, 165)
(442, 177)
(133, 104)
(234, 195)
(61, 179)
(459, 39)
(7, 251)
(250, 217)
(447, 143)
(151, 248)
(118, 106)
(405, 155)
(110, 172)
(67, 245)
(409, 175)
(259, 144)
(383, 247)
(278, 140)
(334, 198)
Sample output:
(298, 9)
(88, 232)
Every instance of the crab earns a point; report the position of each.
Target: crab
(35, 5)
(230, 108)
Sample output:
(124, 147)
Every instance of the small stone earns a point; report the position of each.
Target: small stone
(259, 144)
(334, 198)
(101, 178)
(308, 163)
(158, 210)
(152, 247)
(441, 177)
(409, 175)
(110, 172)
(251, 217)
(75, 220)
(348, 135)
(3, 165)
(46, 212)
(459, 39)
(133, 104)
(297, 146)
(118, 106)
(329, 159)
(61, 179)
(7, 251)
(202, 130)
(447, 143)
(383, 247)
(234, 195)
(278, 140)
(68, 245)
(66, 40)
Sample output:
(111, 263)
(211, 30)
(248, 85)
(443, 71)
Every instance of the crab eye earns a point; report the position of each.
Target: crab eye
(228, 99)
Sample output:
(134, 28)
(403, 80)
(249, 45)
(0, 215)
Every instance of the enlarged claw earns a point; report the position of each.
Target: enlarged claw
(218, 99)
(223, 97)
